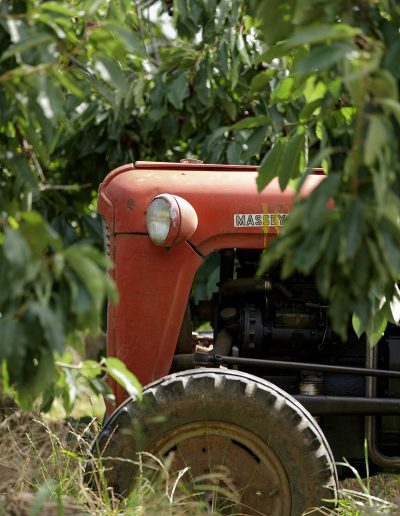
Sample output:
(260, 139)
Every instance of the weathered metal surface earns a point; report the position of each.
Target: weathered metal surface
(154, 283)
(216, 196)
(229, 459)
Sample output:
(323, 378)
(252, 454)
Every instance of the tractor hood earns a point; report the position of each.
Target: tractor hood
(224, 197)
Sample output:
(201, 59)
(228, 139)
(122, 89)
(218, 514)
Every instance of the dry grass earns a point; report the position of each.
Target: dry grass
(30, 471)
(42, 473)
(42, 466)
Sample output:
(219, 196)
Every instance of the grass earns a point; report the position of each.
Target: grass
(42, 465)
(42, 473)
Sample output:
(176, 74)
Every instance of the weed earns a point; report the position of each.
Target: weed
(42, 465)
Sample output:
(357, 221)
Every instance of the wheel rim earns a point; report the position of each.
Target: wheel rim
(245, 473)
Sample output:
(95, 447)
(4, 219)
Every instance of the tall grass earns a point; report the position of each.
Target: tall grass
(42, 467)
(42, 472)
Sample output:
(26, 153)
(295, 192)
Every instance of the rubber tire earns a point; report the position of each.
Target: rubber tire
(233, 397)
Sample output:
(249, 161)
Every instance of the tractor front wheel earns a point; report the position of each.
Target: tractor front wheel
(242, 442)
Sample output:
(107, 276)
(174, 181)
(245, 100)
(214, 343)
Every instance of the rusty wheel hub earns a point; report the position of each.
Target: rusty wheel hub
(235, 469)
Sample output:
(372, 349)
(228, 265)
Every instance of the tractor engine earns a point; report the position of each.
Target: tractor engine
(280, 331)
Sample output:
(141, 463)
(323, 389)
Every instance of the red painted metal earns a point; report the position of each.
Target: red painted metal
(186, 165)
(155, 282)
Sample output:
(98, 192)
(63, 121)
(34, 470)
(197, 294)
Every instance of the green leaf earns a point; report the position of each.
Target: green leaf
(251, 122)
(290, 161)
(382, 84)
(59, 8)
(320, 32)
(99, 386)
(390, 250)
(276, 18)
(34, 41)
(270, 165)
(110, 71)
(117, 370)
(376, 139)
(131, 40)
(233, 152)
(223, 58)
(21, 170)
(178, 90)
(90, 369)
(261, 80)
(376, 328)
(314, 89)
(309, 109)
(234, 75)
(355, 230)
(323, 57)
(50, 100)
(11, 335)
(229, 106)
(391, 105)
(391, 59)
(89, 265)
(70, 390)
(38, 233)
(317, 201)
(138, 88)
(283, 90)
(221, 14)
(51, 324)
(254, 142)
(376, 258)
(275, 51)
(42, 377)
(16, 249)
(241, 45)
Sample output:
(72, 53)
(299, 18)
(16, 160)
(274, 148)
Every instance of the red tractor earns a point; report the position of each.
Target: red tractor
(237, 399)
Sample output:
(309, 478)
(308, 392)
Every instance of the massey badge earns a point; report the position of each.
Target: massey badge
(248, 220)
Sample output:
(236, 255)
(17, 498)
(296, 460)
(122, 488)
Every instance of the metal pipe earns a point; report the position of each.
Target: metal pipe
(319, 405)
(204, 359)
(243, 286)
(386, 461)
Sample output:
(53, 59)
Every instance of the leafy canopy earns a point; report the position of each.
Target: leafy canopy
(86, 85)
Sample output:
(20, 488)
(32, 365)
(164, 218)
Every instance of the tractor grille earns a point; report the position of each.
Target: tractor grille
(106, 236)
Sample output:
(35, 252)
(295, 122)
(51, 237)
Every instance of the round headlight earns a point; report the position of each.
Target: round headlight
(158, 220)
(170, 220)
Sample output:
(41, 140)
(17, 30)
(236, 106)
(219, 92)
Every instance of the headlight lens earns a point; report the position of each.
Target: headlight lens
(170, 220)
(158, 220)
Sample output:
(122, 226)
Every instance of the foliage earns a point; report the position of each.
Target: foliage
(339, 101)
(52, 292)
(86, 85)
